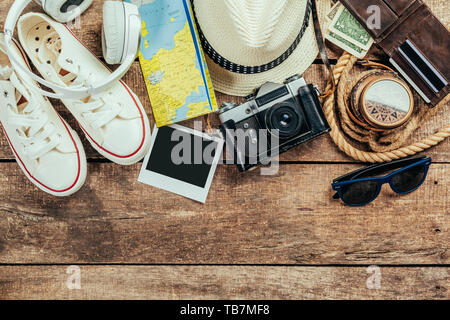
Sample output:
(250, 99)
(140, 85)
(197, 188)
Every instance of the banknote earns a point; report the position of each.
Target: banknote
(334, 10)
(348, 28)
(346, 45)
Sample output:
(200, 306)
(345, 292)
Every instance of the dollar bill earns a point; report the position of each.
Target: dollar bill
(346, 45)
(348, 28)
(334, 10)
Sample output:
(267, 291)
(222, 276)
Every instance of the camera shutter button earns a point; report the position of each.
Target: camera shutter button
(227, 106)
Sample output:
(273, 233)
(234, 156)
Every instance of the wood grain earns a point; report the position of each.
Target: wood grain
(249, 219)
(223, 282)
(89, 29)
(320, 150)
(289, 218)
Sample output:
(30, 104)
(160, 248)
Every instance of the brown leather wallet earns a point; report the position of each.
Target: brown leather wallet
(417, 43)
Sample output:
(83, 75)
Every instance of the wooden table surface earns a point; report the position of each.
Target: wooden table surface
(257, 237)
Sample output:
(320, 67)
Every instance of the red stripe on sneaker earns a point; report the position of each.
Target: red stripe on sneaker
(40, 183)
(22, 53)
(135, 102)
(143, 133)
(70, 134)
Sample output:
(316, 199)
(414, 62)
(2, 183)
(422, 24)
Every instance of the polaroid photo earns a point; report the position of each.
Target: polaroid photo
(182, 161)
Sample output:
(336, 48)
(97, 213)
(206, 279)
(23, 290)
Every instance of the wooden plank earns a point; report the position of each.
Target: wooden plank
(322, 149)
(223, 282)
(90, 26)
(289, 218)
(248, 219)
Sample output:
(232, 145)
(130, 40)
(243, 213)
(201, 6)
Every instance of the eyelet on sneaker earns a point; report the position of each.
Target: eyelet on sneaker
(108, 139)
(56, 167)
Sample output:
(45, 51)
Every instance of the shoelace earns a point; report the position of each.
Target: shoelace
(5, 72)
(37, 134)
(97, 111)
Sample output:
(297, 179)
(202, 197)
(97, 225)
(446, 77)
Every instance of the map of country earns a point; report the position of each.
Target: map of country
(171, 64)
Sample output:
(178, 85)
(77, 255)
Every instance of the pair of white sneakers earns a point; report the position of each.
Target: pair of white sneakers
(49, 152)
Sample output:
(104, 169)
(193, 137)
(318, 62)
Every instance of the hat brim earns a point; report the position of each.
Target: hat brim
(237, 84)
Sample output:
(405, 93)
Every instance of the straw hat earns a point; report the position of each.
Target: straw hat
(260, 33)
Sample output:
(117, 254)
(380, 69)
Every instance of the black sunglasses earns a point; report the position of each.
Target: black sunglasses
(362, 186)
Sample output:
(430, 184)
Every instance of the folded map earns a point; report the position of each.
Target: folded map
(173, 63)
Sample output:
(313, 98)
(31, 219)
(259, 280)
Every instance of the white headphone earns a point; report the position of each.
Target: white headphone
(64, 10)
(121, 37)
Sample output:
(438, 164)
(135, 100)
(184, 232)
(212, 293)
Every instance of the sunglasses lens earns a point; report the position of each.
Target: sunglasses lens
(408, 180)
(359, 193)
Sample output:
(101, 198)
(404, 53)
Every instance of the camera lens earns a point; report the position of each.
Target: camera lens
(285, 119)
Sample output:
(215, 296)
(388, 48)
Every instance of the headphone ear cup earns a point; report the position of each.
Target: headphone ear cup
(65, 10)
(113, 35)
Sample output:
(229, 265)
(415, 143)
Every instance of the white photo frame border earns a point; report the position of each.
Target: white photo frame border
(175, 186)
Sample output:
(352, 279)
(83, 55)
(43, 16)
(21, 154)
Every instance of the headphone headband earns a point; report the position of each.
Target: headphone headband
(77, 92)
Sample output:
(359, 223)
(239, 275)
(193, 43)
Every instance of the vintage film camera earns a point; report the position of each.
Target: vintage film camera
(275, 119)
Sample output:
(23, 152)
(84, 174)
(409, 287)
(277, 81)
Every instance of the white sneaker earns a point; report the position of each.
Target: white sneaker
(49, 152)
(115, 122)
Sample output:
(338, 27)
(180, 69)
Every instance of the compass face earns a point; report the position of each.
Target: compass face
(387, 103)
(384, 114)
